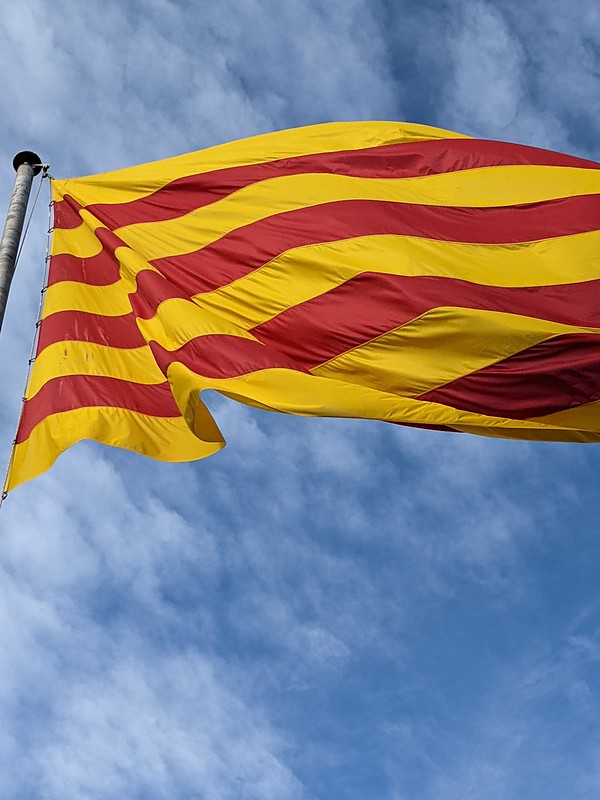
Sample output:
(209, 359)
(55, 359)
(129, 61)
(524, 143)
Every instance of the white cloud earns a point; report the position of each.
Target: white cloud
(163, 727)
(525, 72)
(488, 81)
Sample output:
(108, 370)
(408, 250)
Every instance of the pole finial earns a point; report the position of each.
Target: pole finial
(27, 157)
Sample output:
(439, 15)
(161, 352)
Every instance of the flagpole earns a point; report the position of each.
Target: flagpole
(26, 165)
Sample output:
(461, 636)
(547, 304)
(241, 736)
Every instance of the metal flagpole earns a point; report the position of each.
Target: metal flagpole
(27, 165)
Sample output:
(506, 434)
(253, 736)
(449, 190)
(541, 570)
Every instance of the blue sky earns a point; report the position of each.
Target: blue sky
(327, 608)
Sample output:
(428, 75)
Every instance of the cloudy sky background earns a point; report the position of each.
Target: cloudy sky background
(326, 609)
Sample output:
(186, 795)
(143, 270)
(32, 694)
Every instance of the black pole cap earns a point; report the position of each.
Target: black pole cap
(27, 157)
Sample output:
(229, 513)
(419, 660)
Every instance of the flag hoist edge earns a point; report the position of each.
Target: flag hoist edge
(375, 269)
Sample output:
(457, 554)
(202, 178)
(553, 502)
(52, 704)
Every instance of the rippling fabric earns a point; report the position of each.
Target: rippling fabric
(376, 269)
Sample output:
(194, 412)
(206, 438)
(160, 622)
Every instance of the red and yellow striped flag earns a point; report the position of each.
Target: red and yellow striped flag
(373, 269)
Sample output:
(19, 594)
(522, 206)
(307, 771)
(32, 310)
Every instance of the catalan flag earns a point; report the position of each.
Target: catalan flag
(374, 269)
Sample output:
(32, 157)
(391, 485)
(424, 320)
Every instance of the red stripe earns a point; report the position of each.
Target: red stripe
(249, 247)
(402, 160)
(80, 326)
(86, 391)
(552, 376)
(66, 213)
(371, 304)
(99, 270)
(224, 356)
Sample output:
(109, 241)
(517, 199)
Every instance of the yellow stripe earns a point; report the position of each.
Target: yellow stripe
(110, 301)
(134, 182)
(163, 438)
(587, 417)
(80, 242)
(60, 359)
(491, 186)
(177, 321)
(311, 395)
(307, 272)
(438, 347)
(549, 433)
(499, 186)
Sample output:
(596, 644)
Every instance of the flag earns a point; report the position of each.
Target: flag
(378, 270)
